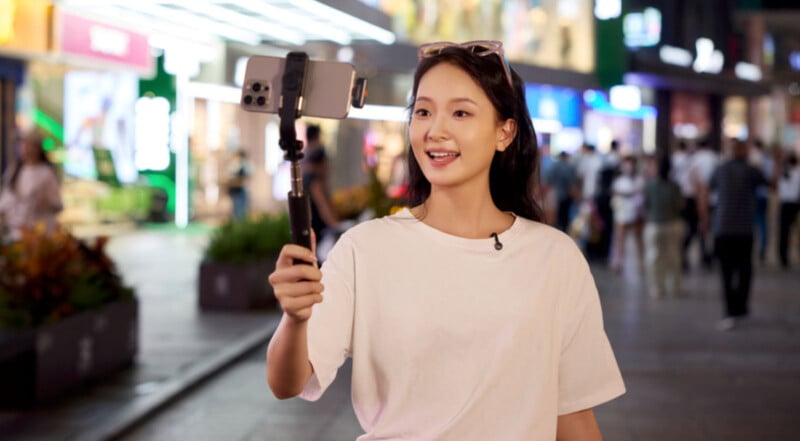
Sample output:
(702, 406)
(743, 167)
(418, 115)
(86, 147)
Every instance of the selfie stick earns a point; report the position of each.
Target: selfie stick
(291, 104)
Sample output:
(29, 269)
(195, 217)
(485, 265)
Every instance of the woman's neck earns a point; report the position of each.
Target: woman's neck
(463, 214)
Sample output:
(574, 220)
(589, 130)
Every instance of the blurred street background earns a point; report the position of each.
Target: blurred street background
(158, 176)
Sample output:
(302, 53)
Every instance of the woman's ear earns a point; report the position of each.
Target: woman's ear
(505, 134)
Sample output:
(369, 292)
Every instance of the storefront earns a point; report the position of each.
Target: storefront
(83, 96)
(619, 115)
(23, 36)
(557, 118)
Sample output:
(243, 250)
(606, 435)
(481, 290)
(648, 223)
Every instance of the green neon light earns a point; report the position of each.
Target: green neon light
(47, 123)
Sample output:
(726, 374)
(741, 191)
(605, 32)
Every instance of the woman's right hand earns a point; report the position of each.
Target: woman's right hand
(296, 282)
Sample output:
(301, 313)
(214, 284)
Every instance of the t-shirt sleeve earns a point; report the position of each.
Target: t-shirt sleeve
(588, 371)
(331, 324)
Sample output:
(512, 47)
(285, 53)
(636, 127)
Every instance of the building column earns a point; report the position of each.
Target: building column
(754, 53)
(663, 122)
(716, 110)
(8, 134)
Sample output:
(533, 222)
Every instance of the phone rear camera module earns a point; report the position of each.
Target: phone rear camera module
(256, 87)
(248, 99)
(261, 101)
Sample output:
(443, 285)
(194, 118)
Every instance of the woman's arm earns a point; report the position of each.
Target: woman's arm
(296, 284)
(52, 194)
(578, 426)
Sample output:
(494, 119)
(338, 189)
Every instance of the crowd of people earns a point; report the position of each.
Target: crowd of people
(717, 197)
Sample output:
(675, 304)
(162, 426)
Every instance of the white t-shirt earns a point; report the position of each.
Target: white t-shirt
(452, 339)
(680, 172)
(789, 187)
(627, 199)
(589, 166)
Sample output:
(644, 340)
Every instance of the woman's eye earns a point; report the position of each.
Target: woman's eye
(421, 112)
(460, 113)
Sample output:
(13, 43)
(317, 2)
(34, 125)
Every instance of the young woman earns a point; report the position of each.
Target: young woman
(31, 193)
(626, 203)
(465, 316)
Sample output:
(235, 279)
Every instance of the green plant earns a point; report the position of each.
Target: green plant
(45, 277)
(249, 240)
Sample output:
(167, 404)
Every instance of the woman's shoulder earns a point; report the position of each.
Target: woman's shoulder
(379, 226)
(545, 237)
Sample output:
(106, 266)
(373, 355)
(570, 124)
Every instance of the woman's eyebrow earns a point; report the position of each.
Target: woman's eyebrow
(453, 100)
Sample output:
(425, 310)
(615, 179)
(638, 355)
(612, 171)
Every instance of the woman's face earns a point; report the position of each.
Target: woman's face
(454, 129)
(29, 152)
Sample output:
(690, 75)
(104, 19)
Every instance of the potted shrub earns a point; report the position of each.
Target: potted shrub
(65, 316)
(239, 257)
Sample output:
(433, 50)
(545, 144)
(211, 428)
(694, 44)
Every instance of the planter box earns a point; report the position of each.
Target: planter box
(42, 364)
(236, 286)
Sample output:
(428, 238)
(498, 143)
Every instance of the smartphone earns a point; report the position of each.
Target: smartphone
(330, 87)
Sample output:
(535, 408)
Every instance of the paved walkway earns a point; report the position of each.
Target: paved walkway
(179, 344)
(686, 381)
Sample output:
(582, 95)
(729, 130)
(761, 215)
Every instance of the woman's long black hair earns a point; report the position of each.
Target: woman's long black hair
(513, 175)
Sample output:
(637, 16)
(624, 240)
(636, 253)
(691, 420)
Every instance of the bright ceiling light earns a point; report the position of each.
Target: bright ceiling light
(296, 20)
(347, 21)
(293, 22)
(241, 21)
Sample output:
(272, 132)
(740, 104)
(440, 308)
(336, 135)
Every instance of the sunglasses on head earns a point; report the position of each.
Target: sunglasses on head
(480, 48)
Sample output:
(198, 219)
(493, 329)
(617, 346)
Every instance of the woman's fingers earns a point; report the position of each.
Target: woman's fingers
(291, 254)
(297, 289)
(295, 273)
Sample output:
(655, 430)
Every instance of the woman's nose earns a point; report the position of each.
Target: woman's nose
(438, 129)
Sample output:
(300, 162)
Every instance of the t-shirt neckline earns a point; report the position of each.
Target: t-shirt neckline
(480, 245)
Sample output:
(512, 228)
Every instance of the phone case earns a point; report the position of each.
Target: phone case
(327, 89)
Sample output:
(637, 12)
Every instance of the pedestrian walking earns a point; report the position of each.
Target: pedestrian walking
(316, 173)
(31, 190)
(451, 307)
(736, 183)
(763, 161)
(663, 231)
(238, 175)
(626, 204)
(789, 199)
(702, 164)
(562, 179)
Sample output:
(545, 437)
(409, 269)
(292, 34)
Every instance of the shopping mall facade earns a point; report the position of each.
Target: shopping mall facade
(143, 95)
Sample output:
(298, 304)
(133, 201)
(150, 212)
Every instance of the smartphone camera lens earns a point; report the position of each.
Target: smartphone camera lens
(256, 87)
(248, 99)
(261, 101)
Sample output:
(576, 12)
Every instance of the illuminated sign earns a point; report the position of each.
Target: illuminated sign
(708, 59)
(607, 9)
(152, 133)
(109, 41)
(747, 71)
(91, 39)
(24, 25)
(552, 107)
(794, 60)
(642, 29)
(596, 100)
(9, 8)
(627, 98)
(675, 55)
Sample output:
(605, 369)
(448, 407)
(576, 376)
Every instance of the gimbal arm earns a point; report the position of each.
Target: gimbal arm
(290, 110)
